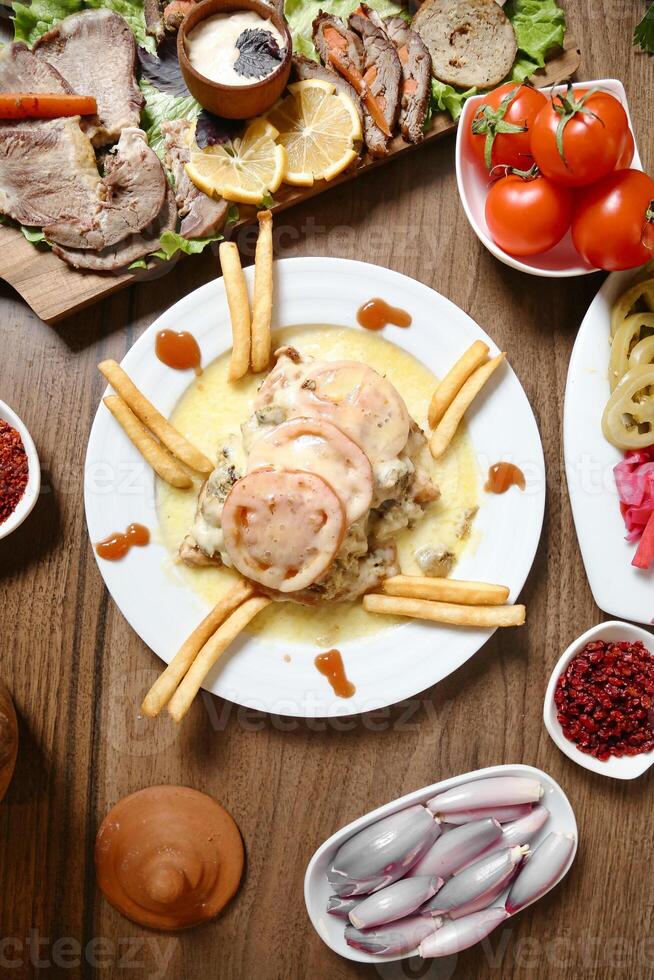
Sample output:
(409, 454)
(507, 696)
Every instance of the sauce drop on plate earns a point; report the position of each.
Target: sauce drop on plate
(116, 546)
(330, 665)
(501, 476)
(377, 313)
(178, 350)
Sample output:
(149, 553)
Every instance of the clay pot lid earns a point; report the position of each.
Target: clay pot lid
(169, 857)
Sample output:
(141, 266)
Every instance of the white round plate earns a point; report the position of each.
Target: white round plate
(386, 667)
(618, 588)
(317, 889)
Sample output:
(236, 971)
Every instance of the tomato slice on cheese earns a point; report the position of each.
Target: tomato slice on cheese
(317, 446)
(282, 528)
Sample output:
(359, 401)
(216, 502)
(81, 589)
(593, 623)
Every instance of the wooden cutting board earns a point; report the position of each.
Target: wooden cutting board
(54, 290)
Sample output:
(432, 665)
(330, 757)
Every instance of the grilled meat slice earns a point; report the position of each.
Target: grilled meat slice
(95, 52)
(303, 68)
(131, 249)
(416, 71)
(333, 39)
(22, 71)
(47, 172)
(382, 73)
(130, 197)
(200, 214)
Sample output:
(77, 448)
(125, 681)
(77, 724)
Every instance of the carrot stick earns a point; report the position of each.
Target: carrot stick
(44, 105)
(356, 80)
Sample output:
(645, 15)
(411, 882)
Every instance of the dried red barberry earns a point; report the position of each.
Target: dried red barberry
(604, 699)
(14, 470)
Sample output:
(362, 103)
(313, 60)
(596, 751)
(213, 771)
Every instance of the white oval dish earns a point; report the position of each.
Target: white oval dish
(627, 767)
(559, 262)
(618, 588)
(317, 889)
(31, 494)
(163, 609)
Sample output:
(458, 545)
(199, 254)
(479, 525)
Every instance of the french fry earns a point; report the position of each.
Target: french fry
(153, 419)
(263, 294)
(445, 612)
(210, 652)
(455, 378)
(444, 432)
(165, 686)
(164, 465)
(446, 590)
(239, 309)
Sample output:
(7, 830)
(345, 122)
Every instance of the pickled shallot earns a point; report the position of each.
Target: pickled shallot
(341, 906)
(498, 791)
(383, 852)
(478, 885)
(541, 871)
(394, 902)
(503, 814)
(462, 933)
(453, 850)
(396, 937)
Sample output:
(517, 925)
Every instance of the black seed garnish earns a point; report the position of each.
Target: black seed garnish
(258, 53)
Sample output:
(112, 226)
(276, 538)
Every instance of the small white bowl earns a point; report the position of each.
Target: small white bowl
(30, 496)
(559, 262)
(629, 766)
(317, 889)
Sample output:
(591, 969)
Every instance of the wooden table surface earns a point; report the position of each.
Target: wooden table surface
(77, 670)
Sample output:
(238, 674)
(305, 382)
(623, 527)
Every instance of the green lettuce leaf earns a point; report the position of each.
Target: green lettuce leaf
(33, 20)
(161, 107)
(539, 26)
(171, 243)
(446, 98)
(300, 15)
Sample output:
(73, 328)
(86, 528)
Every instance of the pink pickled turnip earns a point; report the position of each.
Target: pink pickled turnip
(496, 791)
(458, 847)
(398, 937)
(541, 871)
(477, 885)
(382, 852)
(396, 901)
(460, 934)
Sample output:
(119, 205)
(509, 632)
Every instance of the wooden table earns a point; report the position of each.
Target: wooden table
(77, 670)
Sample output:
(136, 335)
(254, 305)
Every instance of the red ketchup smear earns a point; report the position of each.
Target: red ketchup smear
(330, 665)
(377, 313)
(178, 350)
(14, 470)
(502, 476)
(117, 545)
(604, 699)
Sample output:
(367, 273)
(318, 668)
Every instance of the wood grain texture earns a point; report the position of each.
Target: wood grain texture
(77, 671)
(54, 290)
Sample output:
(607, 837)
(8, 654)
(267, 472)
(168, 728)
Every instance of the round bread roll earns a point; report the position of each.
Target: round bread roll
(471, 42)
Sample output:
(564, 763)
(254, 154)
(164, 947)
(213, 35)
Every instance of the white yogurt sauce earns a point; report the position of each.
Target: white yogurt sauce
(211, 46)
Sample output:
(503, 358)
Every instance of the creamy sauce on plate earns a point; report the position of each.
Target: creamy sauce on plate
(211, 48)
(212, 409)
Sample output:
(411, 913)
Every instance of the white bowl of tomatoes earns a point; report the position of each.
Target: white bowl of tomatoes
(551, 180)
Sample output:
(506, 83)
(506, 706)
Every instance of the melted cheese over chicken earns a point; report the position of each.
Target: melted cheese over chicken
(210, 414)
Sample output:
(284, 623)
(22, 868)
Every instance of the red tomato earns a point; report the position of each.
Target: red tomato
(502, 110)
(590, 143)
(612, 225)
(527, 216)
(627, 154)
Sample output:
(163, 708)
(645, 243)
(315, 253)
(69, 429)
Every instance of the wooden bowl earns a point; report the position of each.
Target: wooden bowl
(234, 101)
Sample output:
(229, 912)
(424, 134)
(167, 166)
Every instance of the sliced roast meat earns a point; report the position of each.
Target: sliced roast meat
(130, 249)
(131, 195)
(22, 71)
(48, 172)
(95, 52)
(416, 72)
(304, 68)
(333, 40)
(382, 73)
(200, 214)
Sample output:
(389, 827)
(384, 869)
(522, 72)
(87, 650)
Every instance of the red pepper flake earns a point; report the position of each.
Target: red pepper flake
(605, 699)
(14, 470)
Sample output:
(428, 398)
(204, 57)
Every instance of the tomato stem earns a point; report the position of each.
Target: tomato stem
(568, 108)
(491, 122)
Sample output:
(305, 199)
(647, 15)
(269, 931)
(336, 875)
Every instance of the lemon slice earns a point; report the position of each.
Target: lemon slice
(243, 170)
(318, 126)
